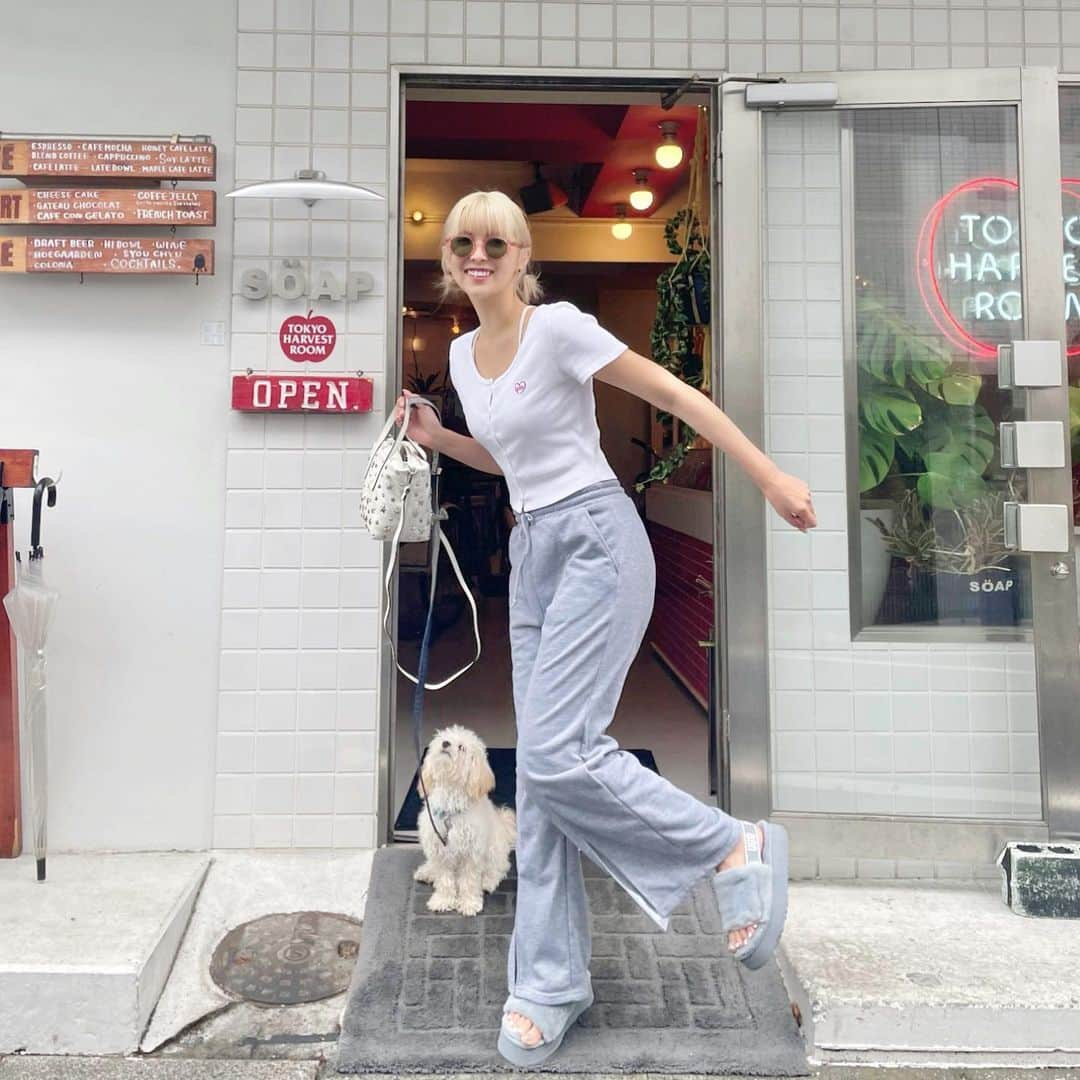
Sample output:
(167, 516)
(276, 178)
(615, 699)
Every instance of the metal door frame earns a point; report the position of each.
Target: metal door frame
(629, 85)
(1056, 637)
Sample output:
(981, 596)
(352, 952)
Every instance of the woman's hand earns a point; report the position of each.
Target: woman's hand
(790, 498)
(424, 426)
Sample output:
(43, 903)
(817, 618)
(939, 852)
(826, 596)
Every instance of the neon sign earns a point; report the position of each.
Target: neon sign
(967, 263)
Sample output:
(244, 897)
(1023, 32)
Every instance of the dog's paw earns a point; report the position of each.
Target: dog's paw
(490, 884)
(441, 902)
(471, 905)
(423, 873)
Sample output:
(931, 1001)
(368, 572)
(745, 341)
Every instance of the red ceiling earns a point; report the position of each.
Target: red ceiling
(604, 142)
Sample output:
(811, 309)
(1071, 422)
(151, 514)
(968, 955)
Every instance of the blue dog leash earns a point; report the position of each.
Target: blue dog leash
(421, 677)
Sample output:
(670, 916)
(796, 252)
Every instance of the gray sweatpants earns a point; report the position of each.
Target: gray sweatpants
(582, 581)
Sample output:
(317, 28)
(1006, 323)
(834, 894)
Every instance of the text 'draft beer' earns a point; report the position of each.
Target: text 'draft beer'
(105, 255)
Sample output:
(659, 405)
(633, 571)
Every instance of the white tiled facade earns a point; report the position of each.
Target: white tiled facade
(298, 699)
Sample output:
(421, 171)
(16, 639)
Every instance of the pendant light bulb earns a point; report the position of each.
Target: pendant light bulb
(622, 228)
(669, 153)
(641, 198)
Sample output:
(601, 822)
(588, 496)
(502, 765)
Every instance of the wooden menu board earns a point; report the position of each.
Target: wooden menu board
(107, 206)
(107, 158)
(105, 255)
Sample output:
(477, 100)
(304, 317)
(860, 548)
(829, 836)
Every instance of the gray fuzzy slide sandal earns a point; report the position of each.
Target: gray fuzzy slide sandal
(553, 1021)
(756, 892)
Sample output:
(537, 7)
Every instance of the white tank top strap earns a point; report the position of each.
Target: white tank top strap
(521, 324)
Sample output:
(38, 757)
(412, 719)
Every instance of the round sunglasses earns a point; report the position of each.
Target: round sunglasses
(495, 246)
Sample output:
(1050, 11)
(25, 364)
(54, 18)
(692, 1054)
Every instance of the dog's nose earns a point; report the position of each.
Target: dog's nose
(446, 744)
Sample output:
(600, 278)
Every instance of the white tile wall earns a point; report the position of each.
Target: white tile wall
(860, 728)
(297, 711)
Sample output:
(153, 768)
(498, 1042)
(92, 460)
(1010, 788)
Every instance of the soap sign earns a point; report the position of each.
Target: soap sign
(303, 338)
(968, 264)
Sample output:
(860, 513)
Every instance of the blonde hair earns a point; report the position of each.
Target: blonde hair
(489, 213)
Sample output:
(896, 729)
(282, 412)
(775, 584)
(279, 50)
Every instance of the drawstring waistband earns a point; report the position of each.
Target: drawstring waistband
(524, 521)
(526, 517)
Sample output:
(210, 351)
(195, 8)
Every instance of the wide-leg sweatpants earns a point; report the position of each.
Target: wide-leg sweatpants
(582, 584)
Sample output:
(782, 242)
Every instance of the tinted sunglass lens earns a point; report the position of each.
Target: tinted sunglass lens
(495, 247)
(461, 245)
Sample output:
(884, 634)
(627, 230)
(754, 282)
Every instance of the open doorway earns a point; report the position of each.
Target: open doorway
(572, 160)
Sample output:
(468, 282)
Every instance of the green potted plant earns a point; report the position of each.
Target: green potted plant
(908, 539)
(955, 565)
(977, 575)
(682, 308)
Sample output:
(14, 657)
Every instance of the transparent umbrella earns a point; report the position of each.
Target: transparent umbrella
(30, 608)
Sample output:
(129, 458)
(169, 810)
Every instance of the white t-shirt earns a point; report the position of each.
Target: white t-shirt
(538, 418)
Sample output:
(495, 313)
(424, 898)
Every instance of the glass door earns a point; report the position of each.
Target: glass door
(1070, 215)
(916, 655)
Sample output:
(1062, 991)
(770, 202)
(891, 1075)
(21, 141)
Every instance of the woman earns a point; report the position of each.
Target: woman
(581, 593)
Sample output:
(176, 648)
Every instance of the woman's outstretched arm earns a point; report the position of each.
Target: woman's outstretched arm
(638, 375)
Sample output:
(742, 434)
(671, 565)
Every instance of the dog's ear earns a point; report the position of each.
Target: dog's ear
(481, 779)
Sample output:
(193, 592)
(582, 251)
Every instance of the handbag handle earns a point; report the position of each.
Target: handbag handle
(401, 435)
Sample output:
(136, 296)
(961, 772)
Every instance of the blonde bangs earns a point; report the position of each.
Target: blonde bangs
(487, 213)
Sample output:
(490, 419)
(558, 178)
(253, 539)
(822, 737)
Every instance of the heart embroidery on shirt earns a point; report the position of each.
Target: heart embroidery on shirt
(519, 387)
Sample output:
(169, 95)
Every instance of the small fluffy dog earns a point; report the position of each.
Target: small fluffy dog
(479, 834)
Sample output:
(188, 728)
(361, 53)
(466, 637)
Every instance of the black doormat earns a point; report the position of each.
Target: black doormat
(503, 762)
(428, 988)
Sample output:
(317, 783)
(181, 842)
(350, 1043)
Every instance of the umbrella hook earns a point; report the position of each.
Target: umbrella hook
(46, 483)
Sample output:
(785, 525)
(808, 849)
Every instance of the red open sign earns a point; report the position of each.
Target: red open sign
(287, 393)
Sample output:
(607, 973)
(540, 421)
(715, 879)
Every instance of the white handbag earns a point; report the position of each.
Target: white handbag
(395, 504)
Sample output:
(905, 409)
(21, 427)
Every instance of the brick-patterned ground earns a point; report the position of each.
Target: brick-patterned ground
(430, 986)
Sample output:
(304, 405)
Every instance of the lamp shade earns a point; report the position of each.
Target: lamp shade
(308, 185)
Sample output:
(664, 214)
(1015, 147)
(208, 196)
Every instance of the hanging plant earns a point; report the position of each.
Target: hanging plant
(683, 310)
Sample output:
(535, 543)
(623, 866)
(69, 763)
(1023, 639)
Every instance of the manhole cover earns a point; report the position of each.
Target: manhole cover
(286, 959)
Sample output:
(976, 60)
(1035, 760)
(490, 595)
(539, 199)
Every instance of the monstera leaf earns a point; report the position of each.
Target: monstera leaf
(893, 352)
(956, 388)
(955, 446)
(949, 483)
(876, 450)
(889, 409)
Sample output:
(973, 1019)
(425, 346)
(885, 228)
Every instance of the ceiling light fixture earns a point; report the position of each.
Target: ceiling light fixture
(669, 153)
(641, 198)
(622, 228)
(307, 184)
(417, 216)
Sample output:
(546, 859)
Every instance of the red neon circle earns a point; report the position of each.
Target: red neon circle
(926, 278)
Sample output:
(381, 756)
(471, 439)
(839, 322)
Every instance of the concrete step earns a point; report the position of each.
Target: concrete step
(930, 973)
(111, 1068)
(85, 954)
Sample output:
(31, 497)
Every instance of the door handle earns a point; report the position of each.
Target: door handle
(1033, 444)
(1030, 363)
(1038, 526)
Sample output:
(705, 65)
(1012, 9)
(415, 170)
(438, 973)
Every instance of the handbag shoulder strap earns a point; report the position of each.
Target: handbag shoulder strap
(440, 538)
